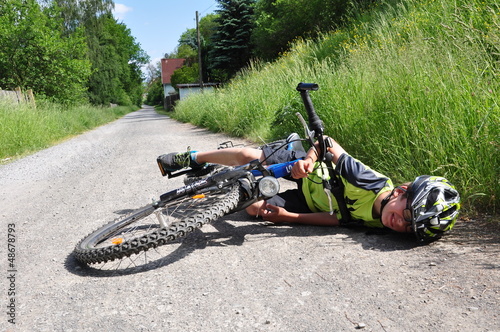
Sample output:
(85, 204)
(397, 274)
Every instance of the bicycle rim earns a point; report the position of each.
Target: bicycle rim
(149, 227)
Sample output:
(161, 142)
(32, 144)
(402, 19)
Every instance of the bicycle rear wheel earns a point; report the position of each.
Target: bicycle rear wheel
(149, 227)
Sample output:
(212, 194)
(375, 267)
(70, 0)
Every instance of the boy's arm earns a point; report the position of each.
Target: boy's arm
(278, 214)
(303, 167)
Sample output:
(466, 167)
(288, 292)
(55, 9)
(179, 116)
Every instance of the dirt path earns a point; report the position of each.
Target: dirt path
(234, 275)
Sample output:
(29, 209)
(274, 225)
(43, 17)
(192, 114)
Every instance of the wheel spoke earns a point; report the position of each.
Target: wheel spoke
(150, 227)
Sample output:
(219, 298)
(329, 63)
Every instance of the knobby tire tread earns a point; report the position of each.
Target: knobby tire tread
(87, 252)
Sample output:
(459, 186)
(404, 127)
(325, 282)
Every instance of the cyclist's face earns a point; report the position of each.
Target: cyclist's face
(393, 215)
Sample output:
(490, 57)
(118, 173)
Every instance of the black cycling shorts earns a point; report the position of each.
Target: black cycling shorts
(279, 156)
(292, 200)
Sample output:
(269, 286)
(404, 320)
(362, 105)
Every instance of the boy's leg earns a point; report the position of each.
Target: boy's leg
(230, 157)
(242, 156)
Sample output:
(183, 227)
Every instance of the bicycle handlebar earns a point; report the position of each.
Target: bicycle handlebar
(333, 186)
(315, 123)
(307, 87)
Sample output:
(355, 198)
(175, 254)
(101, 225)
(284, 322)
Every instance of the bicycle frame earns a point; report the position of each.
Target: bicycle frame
(247, 174)
(230, 176)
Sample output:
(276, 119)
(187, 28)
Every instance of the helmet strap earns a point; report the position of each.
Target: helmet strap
(385, 201)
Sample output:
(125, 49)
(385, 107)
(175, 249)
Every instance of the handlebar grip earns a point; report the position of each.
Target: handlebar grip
(307, 87)
(315, 122)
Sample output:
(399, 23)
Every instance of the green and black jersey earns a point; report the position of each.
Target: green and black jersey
(362, 186)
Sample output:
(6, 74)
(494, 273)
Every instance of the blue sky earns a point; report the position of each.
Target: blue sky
(158, 24)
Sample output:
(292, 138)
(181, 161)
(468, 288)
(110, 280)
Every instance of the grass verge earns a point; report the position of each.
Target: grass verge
(24, 129)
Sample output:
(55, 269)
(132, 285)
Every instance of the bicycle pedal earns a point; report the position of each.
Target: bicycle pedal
(170, 174)
(207, 169)
(163, 171)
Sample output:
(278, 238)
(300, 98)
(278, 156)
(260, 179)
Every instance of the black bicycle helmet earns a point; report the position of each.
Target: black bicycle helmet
(434, 204)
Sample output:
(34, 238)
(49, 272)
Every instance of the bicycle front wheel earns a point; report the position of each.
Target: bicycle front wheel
(149, 227)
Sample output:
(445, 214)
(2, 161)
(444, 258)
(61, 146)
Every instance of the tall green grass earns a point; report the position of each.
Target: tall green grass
(410, 87)
(24, 129)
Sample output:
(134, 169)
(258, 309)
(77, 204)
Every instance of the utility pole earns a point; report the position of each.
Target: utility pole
(199, 50)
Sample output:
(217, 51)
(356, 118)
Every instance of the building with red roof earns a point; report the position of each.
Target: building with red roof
(168, 66)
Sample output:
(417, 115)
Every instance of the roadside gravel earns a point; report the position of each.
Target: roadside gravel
(235, 275)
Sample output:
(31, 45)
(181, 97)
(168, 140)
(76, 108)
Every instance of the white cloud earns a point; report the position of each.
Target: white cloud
(120, 11)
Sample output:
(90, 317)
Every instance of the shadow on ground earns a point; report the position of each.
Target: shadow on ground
(229, 232)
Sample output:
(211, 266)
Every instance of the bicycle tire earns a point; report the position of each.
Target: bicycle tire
(140, 231)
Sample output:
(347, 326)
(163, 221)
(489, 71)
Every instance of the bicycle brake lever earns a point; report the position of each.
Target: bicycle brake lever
(309, 134)
(256, 164)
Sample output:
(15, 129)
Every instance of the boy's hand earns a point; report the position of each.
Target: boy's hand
(302, 168)
(272, 213)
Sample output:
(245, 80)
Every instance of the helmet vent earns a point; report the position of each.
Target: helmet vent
(433, 196)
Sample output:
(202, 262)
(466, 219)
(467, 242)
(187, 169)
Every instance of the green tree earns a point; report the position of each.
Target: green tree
(208, 27)
(189, 38)
(188, 47)
(154, 86)
(116, 59)
(115, 56)
(185, 51)
(36, 54)
(231, 42)
(132, 57)
(185, 75)
(279, 22)
(77, 13)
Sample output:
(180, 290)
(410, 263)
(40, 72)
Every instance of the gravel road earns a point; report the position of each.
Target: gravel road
(237, 274)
